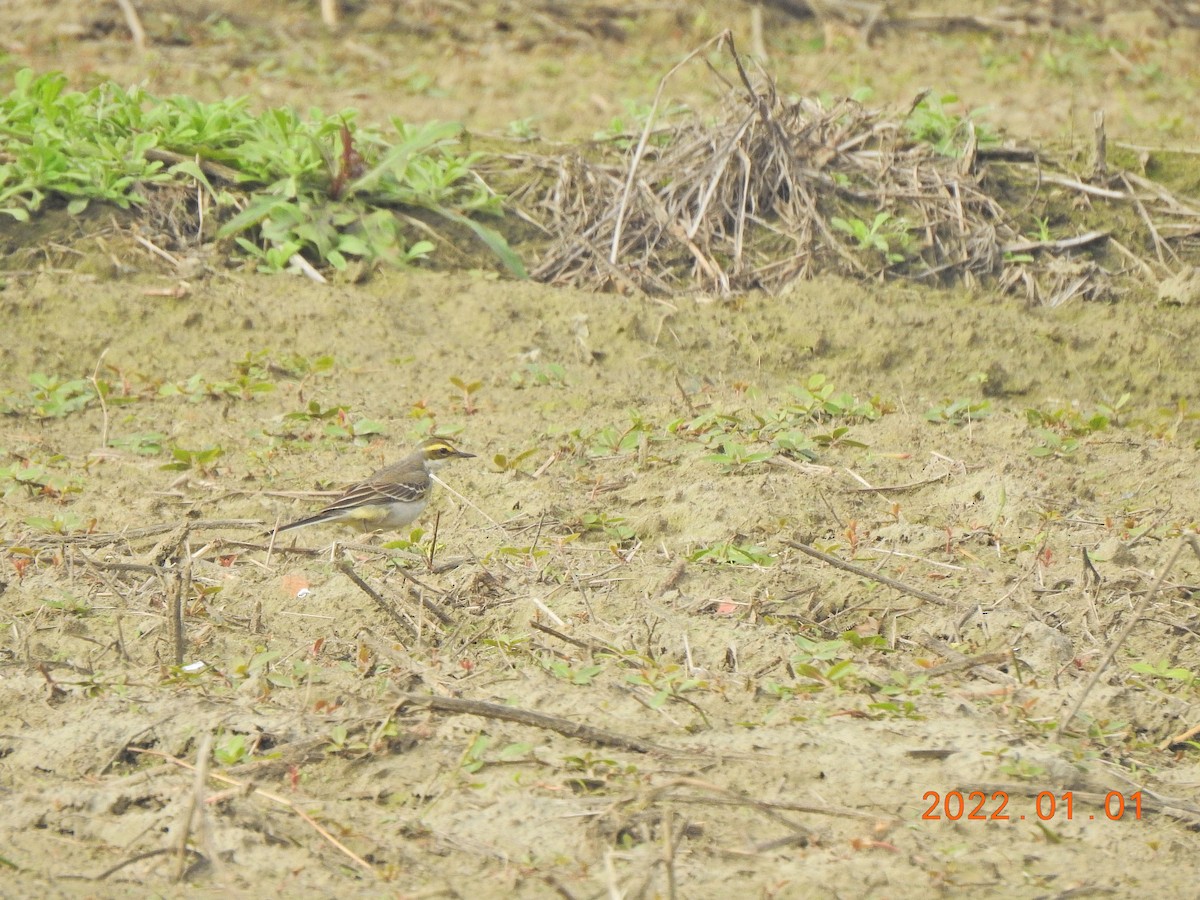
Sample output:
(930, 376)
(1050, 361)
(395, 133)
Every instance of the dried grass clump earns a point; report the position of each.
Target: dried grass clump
(768, 191)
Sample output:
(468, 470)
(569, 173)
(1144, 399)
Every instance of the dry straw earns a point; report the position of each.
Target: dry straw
(759, 194)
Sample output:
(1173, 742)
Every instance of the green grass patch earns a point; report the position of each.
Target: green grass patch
(283, 185)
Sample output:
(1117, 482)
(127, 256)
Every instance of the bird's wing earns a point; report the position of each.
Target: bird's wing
(383, 490)
(388, 485)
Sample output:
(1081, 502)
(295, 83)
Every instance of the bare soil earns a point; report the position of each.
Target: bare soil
(766, 720)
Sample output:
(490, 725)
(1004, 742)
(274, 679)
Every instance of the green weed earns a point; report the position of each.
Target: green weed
(475, 757)
(340, 742)
(898, 691)
(53, 398)
(1023, 770)
(51, 477)
(78, 147)
(1076, 423)
(563, 670)
(818, 400)
(594, 773)
(193, 674)
(885, 235)
(932, 123)
(837, 438)
(538, 375)
(509, 644)
(146, 443)
(468, 390)
(735, 457)
(1065, 65)
(1165, 673)
(823, 664)
(359, 429)
(1053, 444)
(625, 131)
(512, 463)
(415, 542)
(796, 443)
(784, 426)
(523, 129)
(959, 412)
(707, 424)
(334, 421)
(733, 554)
(820, 675)
(612, 441)
(60, 523)
(300, 368)
(664, 681)
(613, 527)
(262, 664)
(203, 461)
(71, 604)
(231, 749)
(319, 186)
(251, 376)
(314, 412)
(894, 709)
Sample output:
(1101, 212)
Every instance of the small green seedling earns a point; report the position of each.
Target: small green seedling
(340, 742)
(1163, 671)
(613, 527)
(467, 389)
(203, 461)
(1053, 444)
(578, 675)
(512, 463)
(52, 398)
(146, 443)
(837, 438)
(474, 759)
(539, 375)
(62, 523)
(959, 412)
(231, 749)
(732, 554)
(949, 134)
(734, 456)
(885, 235)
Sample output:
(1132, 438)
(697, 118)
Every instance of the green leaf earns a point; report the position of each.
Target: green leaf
(492, 238)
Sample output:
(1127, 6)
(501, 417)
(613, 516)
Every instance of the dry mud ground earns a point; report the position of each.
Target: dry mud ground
(762, 719)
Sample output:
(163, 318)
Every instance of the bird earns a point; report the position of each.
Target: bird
(392, 497)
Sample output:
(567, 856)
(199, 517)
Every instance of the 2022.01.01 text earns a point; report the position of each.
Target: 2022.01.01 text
(974, 806)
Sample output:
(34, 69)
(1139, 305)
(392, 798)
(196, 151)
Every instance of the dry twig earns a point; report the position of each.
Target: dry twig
(565, 727)
(872, 576)
(267, 795)
(1134, 618)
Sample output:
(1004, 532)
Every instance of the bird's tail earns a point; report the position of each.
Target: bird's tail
(300, 523)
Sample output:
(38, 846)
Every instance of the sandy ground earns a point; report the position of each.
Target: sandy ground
(759, 717)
